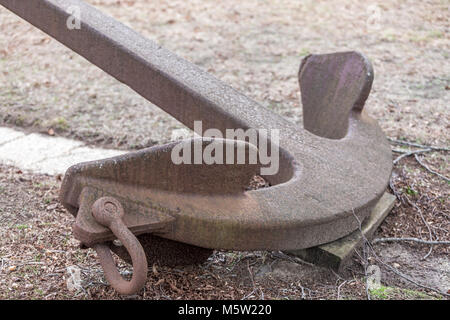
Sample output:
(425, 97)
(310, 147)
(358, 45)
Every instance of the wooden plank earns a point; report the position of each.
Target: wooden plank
(337, 254)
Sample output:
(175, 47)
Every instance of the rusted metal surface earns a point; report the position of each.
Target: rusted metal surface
(332, 86)
(109, 212)
(332, 171)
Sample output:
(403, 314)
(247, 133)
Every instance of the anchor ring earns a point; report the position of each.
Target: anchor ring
(109, 212)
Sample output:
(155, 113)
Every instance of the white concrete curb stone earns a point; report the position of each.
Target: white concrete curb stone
(45, 154)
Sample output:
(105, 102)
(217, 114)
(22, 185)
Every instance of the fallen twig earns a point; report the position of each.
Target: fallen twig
(339, 288)
(425, 223)
(413, 144)
(251, 275)
(281, 255)
(410, 153)
(404, 276)
(430, 170)
(303, 291)
(369, 245)
(394, 190)
(250, 295)
(365, 258)
(378, 240)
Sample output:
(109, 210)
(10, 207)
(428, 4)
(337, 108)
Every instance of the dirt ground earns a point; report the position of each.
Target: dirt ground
(255, 46)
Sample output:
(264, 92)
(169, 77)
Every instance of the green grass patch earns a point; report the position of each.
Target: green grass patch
(411, 191)
(392, 293)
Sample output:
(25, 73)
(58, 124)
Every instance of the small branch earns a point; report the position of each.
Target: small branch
(339, 289)
(412, 144)
(400, 274)
(424, 222)
(365, 258)
(394, 190)
(410, 153)
(281, 255)
(404, 276)
(303, 292)
(377, 240)
(430, 170)
(251, 275)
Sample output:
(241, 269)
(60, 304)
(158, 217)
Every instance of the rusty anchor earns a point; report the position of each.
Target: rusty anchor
(331, 172)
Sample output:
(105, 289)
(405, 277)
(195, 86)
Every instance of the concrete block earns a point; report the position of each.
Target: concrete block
(7, 135)
(25, 152)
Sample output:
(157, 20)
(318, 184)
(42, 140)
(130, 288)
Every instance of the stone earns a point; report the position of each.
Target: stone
(25, 152)
(44, 154)
(337, 254)
(8, 135)
(73, 281)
